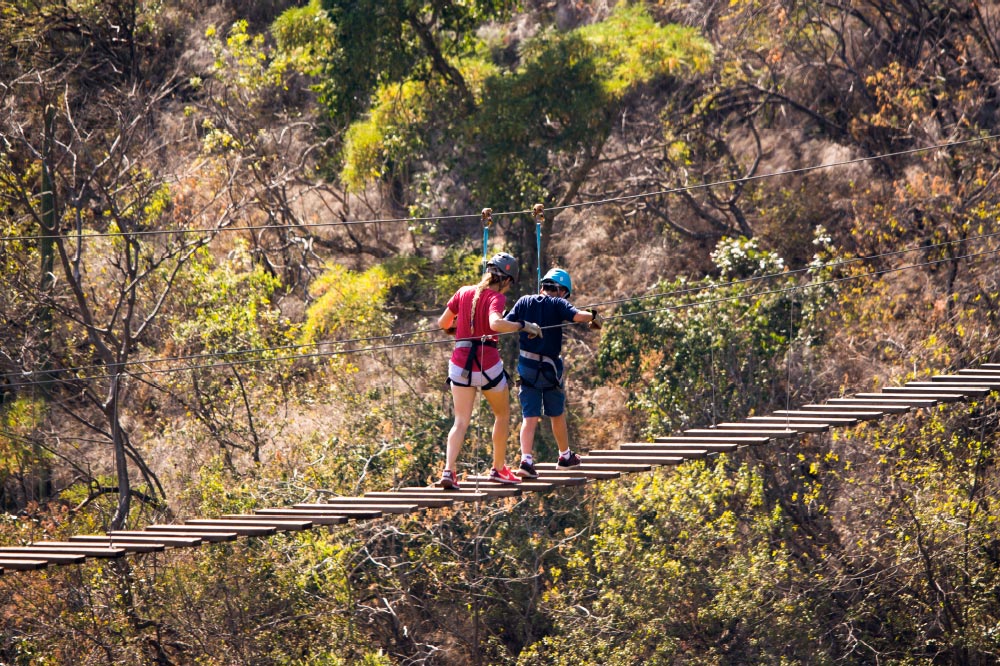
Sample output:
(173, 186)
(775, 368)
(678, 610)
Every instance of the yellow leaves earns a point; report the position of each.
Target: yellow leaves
(633, 49)
(348, 301)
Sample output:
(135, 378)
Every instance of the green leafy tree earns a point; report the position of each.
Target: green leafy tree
(386, 43)
(707, 351)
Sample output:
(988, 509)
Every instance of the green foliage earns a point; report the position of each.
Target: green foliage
(304, 37)
(560, 98)
(348, 301)
(379, 45)
(387, 136)
(681, 565)
(227, 305)
(708, 351)
(631, 49)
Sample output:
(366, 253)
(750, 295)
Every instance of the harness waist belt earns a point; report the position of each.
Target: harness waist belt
(469, 344)
(532, 356)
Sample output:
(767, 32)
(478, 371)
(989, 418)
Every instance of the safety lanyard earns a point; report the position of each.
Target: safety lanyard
(487, 223)
(538, 211)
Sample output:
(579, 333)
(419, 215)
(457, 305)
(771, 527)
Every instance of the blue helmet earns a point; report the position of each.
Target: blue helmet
(560, 277)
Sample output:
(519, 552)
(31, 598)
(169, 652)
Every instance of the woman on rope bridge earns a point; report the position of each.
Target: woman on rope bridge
(475, 315)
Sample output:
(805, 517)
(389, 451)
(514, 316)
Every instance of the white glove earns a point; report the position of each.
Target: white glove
(532, 329)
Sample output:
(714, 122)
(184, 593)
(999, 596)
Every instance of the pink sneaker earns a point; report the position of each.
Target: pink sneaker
(503, 476)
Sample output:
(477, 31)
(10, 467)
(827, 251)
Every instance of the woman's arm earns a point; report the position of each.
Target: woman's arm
(447, 319)
(501, 325)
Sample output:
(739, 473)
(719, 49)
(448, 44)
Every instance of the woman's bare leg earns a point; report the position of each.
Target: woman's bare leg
(499, 401)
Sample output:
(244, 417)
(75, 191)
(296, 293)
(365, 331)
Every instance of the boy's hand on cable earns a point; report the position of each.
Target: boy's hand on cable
(451, 330)
(596, 322)
(532, 329)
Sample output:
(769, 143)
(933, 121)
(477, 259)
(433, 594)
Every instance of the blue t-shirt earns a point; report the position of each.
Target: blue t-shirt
(545, 311)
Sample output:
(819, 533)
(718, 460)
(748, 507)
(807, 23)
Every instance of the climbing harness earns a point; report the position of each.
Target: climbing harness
(538, 212)
(474, 359)
(546, 369)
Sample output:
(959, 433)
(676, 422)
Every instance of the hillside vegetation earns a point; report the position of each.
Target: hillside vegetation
(227, 231)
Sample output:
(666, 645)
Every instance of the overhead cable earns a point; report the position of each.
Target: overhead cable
(441, 218)
(449, 340)
(672, 293)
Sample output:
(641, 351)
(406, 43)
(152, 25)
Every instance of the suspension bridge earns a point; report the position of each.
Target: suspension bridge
(598, 465)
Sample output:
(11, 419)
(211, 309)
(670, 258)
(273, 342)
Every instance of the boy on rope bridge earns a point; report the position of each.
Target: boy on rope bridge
(475, 315)
(540, 365)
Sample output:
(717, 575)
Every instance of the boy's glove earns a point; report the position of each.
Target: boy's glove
(451, 330)
(532, 329)
(596, 322)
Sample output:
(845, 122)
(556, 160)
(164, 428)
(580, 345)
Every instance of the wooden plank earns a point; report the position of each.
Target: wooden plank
(22, 565)
(624, 468)
(933, 388)
(315, 517)
(384, 507)
(676, 448)
(721, 438)
(554, 479)
(130, 546)
(463, 495)
(632, 453)
(990, 366)
(64, 547)
(875, 402)
(51, 558)
(288, 524)
(824, 419)
(746, 432)
(534, 485)
(924, 394)
(574, 473)
(987, 381)
(351, 514)
(263, 527)
(179, 531)
(493, 491)
(241, 530)
(138, 537)
(560, 478)
(879, 409)
(842, 414)
(796, 427)
(365, 501)
(663, 460)
(978, 372)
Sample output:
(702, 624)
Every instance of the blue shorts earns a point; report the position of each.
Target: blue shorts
(534, 399)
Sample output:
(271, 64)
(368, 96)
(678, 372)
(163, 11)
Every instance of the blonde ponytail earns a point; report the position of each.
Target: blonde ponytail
(489, 280)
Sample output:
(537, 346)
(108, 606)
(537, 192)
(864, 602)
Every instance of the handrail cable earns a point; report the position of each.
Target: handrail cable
(375, 338)
(681, 306)
(441, 218)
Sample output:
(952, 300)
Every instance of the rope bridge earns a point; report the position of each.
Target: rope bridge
(597, 465)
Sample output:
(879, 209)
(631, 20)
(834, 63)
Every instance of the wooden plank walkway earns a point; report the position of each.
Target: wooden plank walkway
(630, 457)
